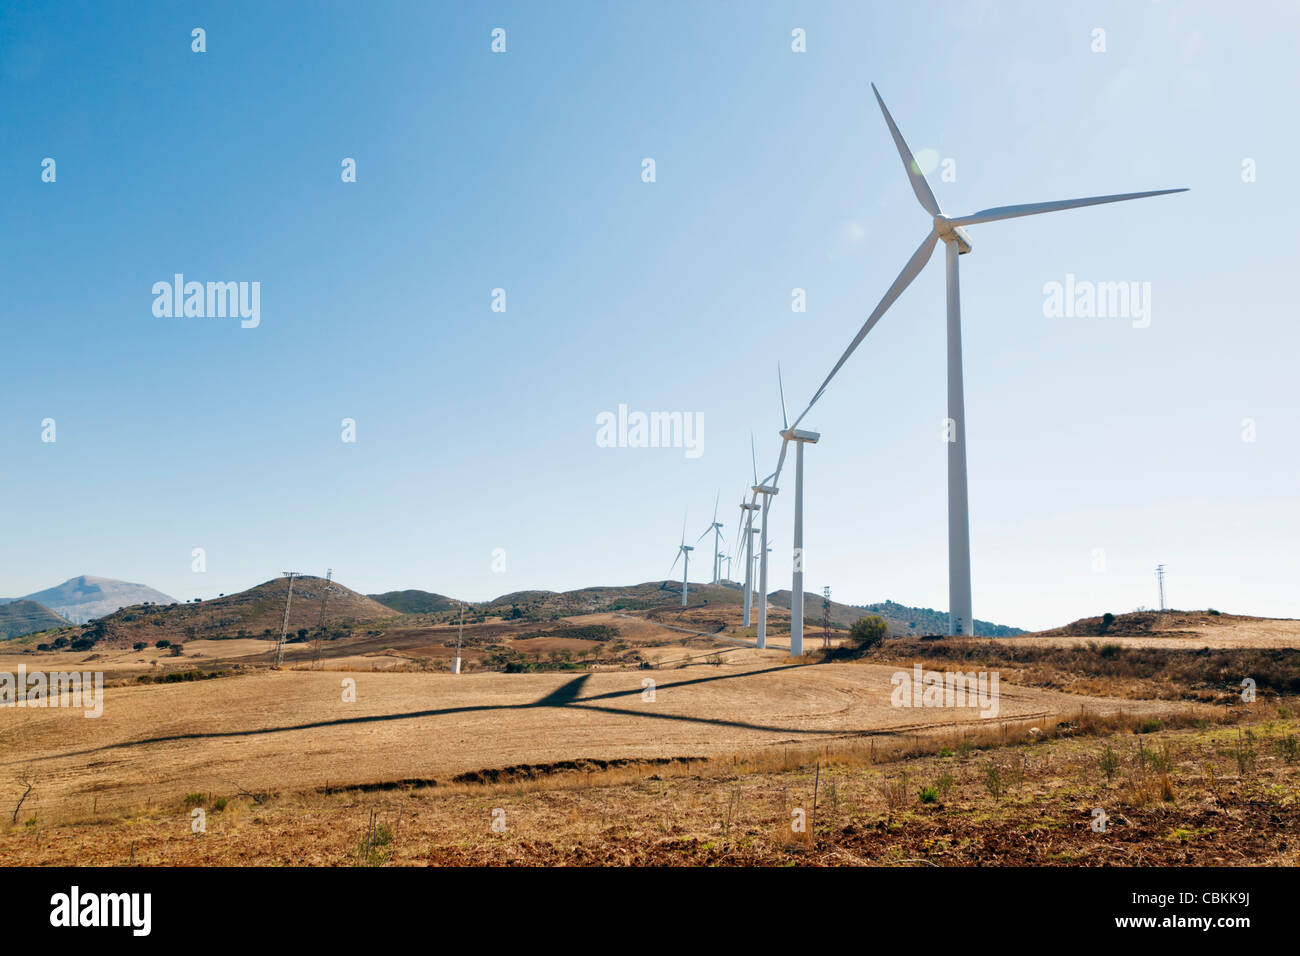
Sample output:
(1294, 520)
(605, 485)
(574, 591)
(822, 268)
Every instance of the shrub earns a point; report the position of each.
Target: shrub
(162, 644)
(928, 794)
(1109, 762)
(868, 632)
(139, 646)
(993, 780)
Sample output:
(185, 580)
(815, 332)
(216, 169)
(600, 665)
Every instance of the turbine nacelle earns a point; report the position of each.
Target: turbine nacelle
(765, 490)
(945, 230)
(799, 434)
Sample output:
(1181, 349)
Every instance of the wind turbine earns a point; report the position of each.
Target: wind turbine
(747, 529)
(950, 230)
(716, 528)
(800, 438)
(767, 491)
(683, 549)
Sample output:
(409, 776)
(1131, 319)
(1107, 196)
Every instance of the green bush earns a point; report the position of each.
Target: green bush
(869, 631)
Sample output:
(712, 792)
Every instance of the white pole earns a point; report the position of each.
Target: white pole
(761, 597)
(685, 567)
(796, 590)
(749, 566)
(960, 620)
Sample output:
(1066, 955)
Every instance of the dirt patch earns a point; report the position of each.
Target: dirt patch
(535, 771)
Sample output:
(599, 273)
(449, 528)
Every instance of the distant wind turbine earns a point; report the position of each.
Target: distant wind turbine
(683, 549)
(747, 529)
(950, 230)
(716, 528)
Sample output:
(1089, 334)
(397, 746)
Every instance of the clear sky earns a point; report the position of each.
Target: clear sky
(476, 430)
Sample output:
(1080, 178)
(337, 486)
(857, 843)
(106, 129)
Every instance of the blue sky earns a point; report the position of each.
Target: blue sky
(774, 170)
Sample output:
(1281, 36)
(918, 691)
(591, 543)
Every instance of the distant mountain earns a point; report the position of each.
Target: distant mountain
(902, 620)
(414, 601)
(26, 617)
(84, 598)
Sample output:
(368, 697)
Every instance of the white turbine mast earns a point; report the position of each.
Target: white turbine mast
(952, 232)
(800, 437)
(747, 529)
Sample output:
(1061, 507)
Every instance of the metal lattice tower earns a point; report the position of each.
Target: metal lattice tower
(826, 617)
(320, 627)
(1160, 580)
(284, 627)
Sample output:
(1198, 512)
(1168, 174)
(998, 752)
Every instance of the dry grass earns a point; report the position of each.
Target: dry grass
(1190, 804)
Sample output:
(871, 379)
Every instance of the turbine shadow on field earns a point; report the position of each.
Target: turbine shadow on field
(564, 696)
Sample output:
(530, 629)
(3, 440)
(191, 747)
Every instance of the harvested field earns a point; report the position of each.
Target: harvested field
(292, 730)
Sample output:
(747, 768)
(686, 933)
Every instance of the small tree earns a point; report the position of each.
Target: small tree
(868, 632)
(139, 645)
(162, 644)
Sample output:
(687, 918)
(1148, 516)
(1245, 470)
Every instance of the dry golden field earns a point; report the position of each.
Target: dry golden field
(286, 759)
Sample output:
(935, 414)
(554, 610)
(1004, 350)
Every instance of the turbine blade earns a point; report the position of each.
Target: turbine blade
(785, 421)
(910, 272)
(919, 186)
(753, 458)
(680, 552)
(716, 499)
(1034, 208)
(706, 531)
(776, 475)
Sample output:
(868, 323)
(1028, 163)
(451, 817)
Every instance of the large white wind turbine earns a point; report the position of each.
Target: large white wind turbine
(683, 549)
(800, 437)
(716, 528)
(950, 230)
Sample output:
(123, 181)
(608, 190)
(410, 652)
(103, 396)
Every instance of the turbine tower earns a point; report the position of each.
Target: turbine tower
(800, 437)
(748, 530)
(767, 491)
(683, 549)
(953, 234)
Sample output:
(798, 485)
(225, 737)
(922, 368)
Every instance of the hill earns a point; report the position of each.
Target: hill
(257, 612)
(86, 597)
(413, 601)
(26, 617)
(1143, 623)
